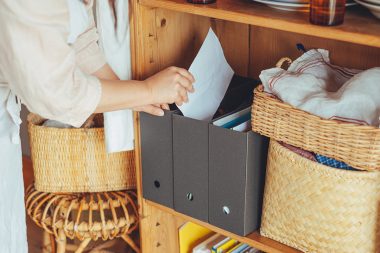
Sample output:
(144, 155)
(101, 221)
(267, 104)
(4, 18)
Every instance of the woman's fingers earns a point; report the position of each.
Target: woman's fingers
(165, 106)
(183, 94)
(186, 83)
(186, 74)
(151, 109)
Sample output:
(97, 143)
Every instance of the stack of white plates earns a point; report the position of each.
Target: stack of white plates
(372, 5)
(296, 5)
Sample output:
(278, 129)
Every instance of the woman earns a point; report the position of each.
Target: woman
(50, 61)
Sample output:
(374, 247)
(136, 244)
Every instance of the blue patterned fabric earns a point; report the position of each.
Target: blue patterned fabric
(332, 162)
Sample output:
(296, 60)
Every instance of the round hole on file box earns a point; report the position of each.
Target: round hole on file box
(157, 184)
(226, 210)
(190, 196)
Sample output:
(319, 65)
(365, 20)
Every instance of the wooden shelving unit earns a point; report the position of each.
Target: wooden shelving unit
(359, 27)
(254, 37)
(254, 239)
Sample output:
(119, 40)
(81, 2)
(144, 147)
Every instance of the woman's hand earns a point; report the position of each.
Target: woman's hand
(156, 109)
(170, 86)
(152, 95)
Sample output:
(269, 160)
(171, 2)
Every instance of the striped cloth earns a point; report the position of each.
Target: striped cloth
(332, 162)
(314, 85)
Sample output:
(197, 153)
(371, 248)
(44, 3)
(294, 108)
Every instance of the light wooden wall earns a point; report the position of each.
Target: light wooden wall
(268, 45)
(173, 38)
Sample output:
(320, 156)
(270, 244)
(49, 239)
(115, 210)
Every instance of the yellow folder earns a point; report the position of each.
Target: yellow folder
(228, 245)
(190, 235)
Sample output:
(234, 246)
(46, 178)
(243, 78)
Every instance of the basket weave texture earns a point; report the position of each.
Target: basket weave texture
(315, 208)
(356, 145)
(75, 160)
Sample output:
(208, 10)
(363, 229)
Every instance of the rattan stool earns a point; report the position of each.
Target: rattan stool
(84, 216)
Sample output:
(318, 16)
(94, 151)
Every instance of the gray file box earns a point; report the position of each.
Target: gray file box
(157, 157)
(190, 153)
(237, 163)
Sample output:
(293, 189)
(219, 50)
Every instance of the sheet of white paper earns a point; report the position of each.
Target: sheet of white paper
(212, 77)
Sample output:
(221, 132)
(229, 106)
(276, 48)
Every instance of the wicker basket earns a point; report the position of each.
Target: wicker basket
(356, 145)
(315, 208)
(75, 160)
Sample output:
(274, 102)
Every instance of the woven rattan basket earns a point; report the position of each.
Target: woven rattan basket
(315, 208)
(75, 160)
(356, 145)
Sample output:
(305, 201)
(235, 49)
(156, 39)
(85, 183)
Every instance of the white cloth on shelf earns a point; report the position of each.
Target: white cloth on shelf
(314, 85)
(119, 129)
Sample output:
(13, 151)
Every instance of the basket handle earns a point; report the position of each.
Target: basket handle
(283, 60)
(89, 122)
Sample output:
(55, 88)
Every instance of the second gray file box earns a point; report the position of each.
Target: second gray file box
(190, 153)
(237, 163)
(157, 157)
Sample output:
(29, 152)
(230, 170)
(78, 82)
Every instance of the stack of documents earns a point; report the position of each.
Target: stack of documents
(239, 95)
(220, 244)
(239, 121)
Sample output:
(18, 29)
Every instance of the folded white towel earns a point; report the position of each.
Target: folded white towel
(56, 124)
(313, 84)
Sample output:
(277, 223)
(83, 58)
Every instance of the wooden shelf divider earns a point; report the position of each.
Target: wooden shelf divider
(359, 27)
(254, 239)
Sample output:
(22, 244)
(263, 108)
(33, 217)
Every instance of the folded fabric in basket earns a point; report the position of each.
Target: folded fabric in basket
(300, 151)
(313, 84)
(332, 162)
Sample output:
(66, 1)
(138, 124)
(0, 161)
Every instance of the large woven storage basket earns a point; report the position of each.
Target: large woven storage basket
(75, 160)
(356, 145)
(315, 208)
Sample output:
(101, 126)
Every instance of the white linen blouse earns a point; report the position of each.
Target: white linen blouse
(48, 53)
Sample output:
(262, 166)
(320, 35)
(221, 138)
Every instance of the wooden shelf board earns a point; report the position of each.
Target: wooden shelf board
(360, 27)
(254, 239)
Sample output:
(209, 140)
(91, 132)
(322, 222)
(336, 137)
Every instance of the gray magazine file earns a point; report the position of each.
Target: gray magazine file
(237, 163)
(190, 153)
(157, 157)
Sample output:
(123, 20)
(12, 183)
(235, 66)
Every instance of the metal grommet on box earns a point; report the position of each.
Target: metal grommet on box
(226, 210)
(190, 196)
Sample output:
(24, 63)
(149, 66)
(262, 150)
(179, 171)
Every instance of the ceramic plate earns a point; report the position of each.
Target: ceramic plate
(375, 9)
(351, 3)
(373, 2)
(292, 1)
(285, 6)
(290, 5)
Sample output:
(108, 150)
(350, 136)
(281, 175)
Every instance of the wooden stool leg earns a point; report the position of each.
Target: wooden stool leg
(53, 247)
(61, 242)
(131, 243)
(46, 243)
(83, 245)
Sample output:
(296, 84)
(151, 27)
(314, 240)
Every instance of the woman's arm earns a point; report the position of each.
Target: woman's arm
(169, 86)
(42, 69)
